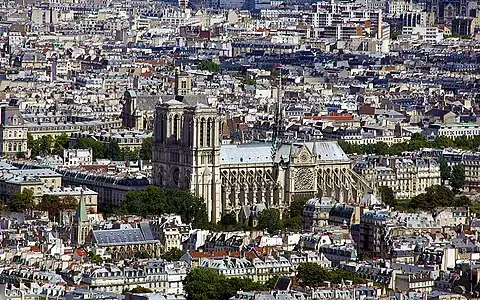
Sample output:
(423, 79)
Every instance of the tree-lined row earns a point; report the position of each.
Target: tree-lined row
(416, 142)
(434, 197)
(47, 145)
(52, 204)
(207, 284)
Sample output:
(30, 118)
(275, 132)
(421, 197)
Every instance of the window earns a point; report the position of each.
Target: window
(209, 132)
(202, 124)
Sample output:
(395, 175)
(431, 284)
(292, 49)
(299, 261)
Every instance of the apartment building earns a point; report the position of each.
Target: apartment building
(158, 276)
(407, 177)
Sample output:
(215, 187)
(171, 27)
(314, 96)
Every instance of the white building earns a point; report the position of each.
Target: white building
(170, 231)
(158, 276)
(428, 34)
(77, 157)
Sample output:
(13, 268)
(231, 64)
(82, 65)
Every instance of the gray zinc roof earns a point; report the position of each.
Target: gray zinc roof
(121, 237)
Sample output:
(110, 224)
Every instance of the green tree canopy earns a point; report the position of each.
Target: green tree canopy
(434, 196)
(158, 201)
(112, 151)
(445, 170)
(146, 150)
(98, 148)
(54, 205)
(46, 144)
(387, 195)
(269, 219)
(21, 201)
(462, 201)
(204, 284)
(416, 142)
(33, 145)
(61, 142)
(209, 65)
(173, 254)
(313, 275)
(457, 179)
(207, 284)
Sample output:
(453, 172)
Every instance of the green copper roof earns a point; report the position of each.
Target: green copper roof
(81, 214)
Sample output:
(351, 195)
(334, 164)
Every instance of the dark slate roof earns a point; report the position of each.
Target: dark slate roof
(147, 233)
(283, 284)
(116, 237)
(436, 112)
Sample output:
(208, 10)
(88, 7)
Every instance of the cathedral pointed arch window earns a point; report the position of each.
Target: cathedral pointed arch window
(209, 134)
(202, 132)
(175, 127)
(162, 126)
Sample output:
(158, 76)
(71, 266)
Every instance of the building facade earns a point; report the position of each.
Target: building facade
(188, 154)
(405, 176)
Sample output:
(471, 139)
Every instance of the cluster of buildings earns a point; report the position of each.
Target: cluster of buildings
(251, 105)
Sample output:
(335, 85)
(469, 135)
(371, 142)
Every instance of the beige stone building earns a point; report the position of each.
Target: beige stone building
(13, 132)
(188, 154)
(407, 177)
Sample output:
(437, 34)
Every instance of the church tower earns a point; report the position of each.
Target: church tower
(186, 151)
(81, 224)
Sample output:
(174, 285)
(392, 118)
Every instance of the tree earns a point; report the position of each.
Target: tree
(209, 65)
(387, 195)
(68, 203)
(46, 144)
(297, 206)
(443, 142)
(270, 284)
(158, 201)
(418, 141)
(128, 154)
(61, 142)
(98, 148)
(174, 254)
(146, 150)
(457, 179)
(248, 81)
(269, 219)
(54, 205)
(50, 204)
(381, 148)
(445, 170)
(207, 284)
(33, 145)
(434, 196)
(462, 201)
(293, 224)
(21, 201)
(112, 151)
(95, 258)
(142, 255)
(313, 275)
(203, 284)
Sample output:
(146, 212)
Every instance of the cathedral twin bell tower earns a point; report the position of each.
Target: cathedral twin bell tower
(186, 151)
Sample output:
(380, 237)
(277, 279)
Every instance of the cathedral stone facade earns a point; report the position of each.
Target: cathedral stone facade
(188, 154)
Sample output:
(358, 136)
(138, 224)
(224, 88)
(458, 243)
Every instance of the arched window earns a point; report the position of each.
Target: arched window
(164, 128)
(202, 124)
(209, 122)
(190, 125)
(175, 127)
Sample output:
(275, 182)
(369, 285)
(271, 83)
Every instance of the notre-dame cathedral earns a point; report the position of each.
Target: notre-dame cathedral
(188, 154)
